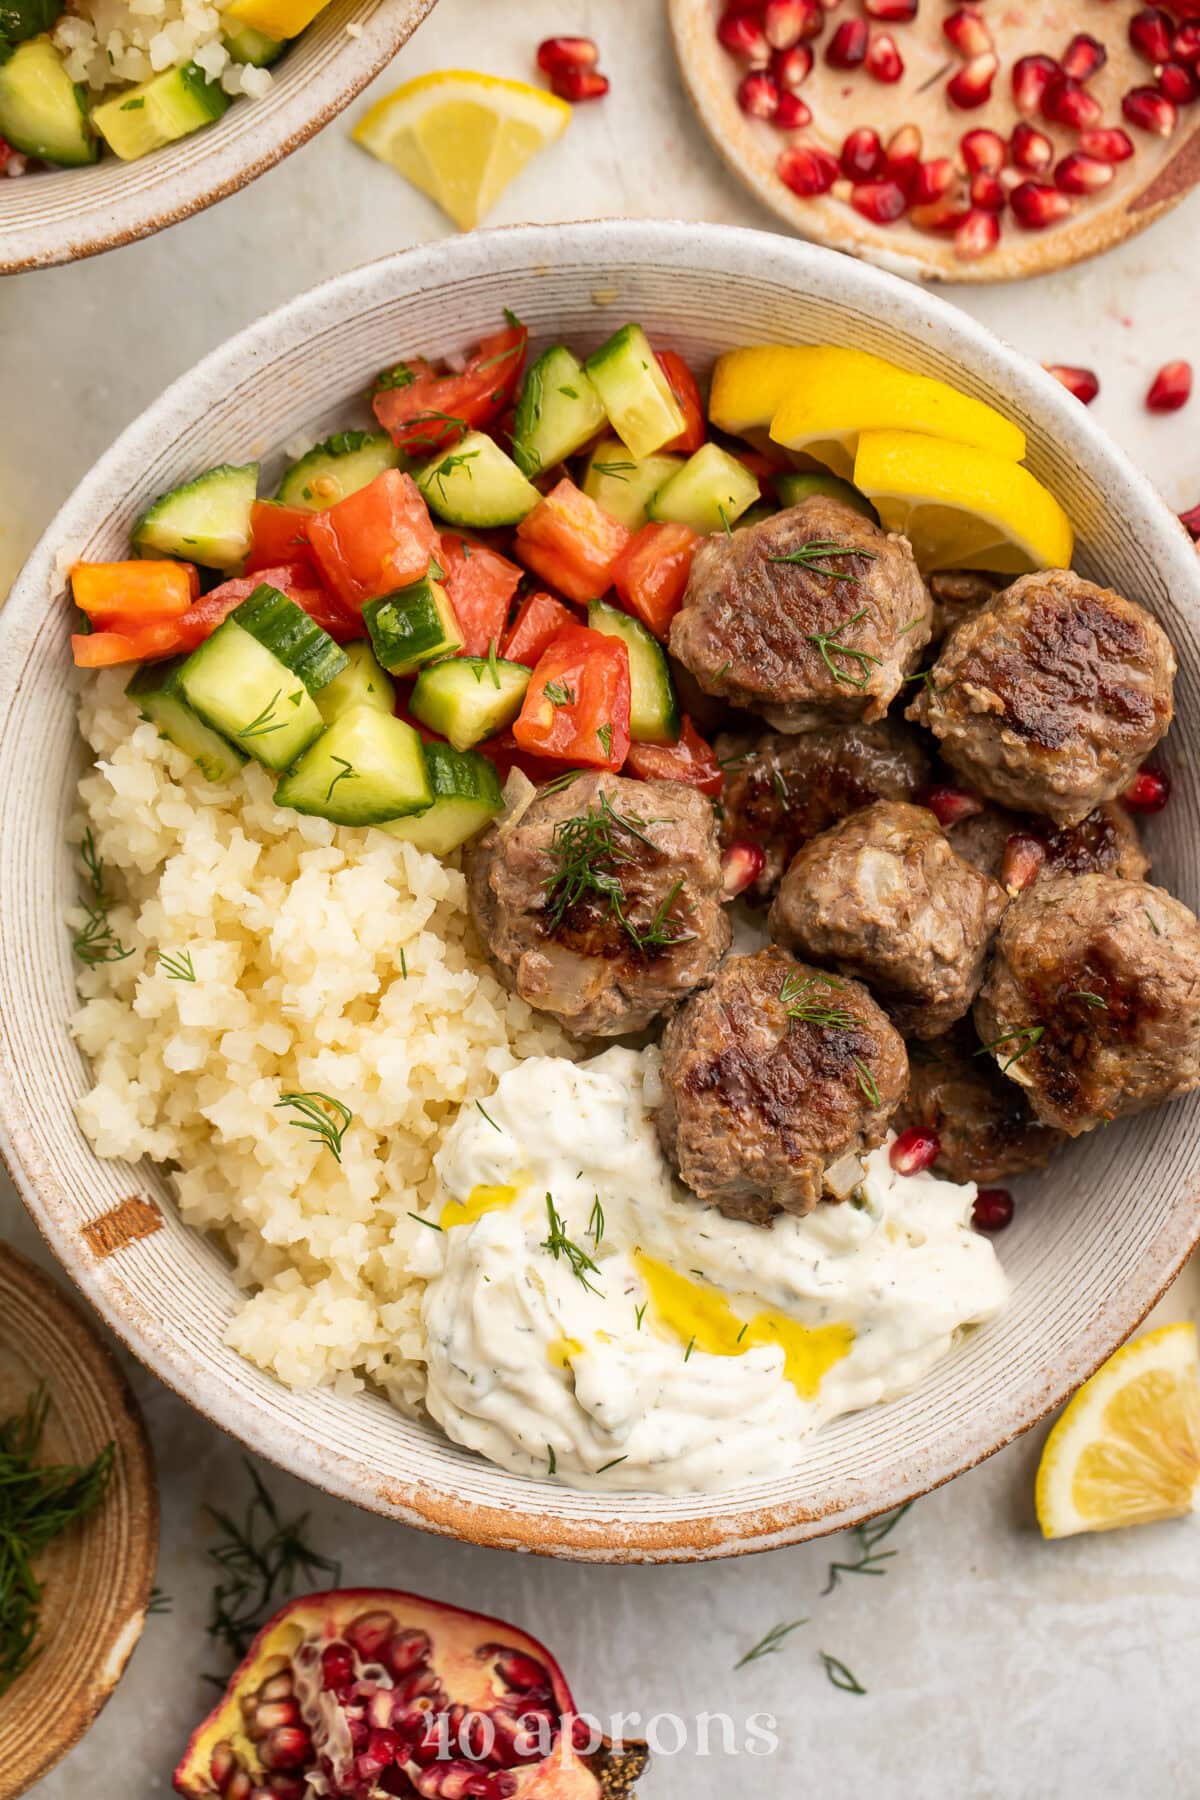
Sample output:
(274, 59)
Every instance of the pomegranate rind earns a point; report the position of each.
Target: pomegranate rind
(458, 1637)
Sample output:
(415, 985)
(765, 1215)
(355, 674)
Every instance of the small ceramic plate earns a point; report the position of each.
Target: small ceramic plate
(1158, 176)
(97, 1577)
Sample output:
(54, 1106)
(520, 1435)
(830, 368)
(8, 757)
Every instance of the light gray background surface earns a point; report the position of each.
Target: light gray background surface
(995, 1665)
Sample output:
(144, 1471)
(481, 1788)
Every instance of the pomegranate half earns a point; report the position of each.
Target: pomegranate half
(366, 1693)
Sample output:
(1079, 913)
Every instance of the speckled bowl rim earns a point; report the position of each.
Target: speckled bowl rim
(521, 1522)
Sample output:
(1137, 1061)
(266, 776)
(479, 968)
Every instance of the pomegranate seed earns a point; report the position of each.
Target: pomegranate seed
(787, 21)
(848, 45)
(967, 32)
(934, 179)
(862, 154)
(1150, 34)
(741, 866)
(943, 215)
(337, 1666)
(1083, 383)
(983, 150)
(1080, 174)
(902, 162)
(1083, 57)
(1185, 45)
(368, 1632)
(290, 1747)
(1146, 108)
(792, 68)
(979, 232)
(972, 86)
(1190, 521)
(1171, 388)
(758, 95)
(1178, 83)
(1108, 142)
(993, 1209)
(880, 201)
(1149, 790)
(950, 805)
(1031, 77)
(1066, 103)
(1023, 860)
(894, 12)
(914, 1151)
(579, 84)
(792, 113)
(743, 36)
(222, 1765)
(807, 169)
(1031, 149)
(987, 192)
(556, 53)
(1035, 205)
(884, 61)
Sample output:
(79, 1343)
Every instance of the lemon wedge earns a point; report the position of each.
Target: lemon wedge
(824, 397)
(749, 385)
(462, 137)
(1127, 1449)
(962, 507)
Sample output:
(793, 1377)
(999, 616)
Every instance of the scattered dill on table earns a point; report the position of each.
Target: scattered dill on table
(263, 1560)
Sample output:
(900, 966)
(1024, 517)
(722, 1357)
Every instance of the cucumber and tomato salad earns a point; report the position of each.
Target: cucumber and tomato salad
(488, 579)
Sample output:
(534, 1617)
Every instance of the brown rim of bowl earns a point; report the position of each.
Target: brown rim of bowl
(110, 1559)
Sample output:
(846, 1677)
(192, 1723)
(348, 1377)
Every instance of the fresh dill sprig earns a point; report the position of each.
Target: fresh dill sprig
(346, 772)
(178, 966)
(604, 733)
(159, 1601)
(321, 1115)
(457, 459)
(798, 1004)
(687, 1355)
(596, 1221)
(816, 555)
(96, 941)
(591, 849)
(559, 782)
(772, 1642)
(1095, 1001)
(829, 645)
(264, 722)
(487, 1115)
(604, 1467)
(262, 1560)
(867, 1538)
(431, 1224)
(1026, 1037)
(431, 440)
(559, 1244)
(639, 1313)
(551, 1460)
(866, 1081)
(559, 694)
(840, 1676)
(619, 471)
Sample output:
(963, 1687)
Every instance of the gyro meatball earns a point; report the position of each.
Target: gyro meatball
(781, 790)
(1092, 1002)
(601, 902)
(1004, 844)
(959, 594)
(1049, 699)
(984, 1124)
(769, 1077)
(808, 618)
(883, 897)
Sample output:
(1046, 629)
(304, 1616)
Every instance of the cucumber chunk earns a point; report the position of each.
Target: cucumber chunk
(158, 111)
(475, 484)
(710, 493)
(21, 19)
(160, 698)
(343, 464)
(207, 520)
(361, 683)
(288, 632)
(635, 393)
(466, 794)
(558, 412)
(368, 767)
(245, 44)
(653, 706)
(43, 113)
(624, 485)
(801, 484)
(470, 698)
(245, 693)
(412, 626)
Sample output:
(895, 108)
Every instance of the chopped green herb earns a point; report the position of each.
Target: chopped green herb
(724, 517)
(604, 733)
(866, 1081)
(403, 965)
(840, 1675)
(262, 1560)
(430, 1224)
(401, 376)
(96, 941)
(687, 1355)
(639, 1313)
(799, 1004)
(559, 694)
(458, 459)
(767, 1646)
(133, 105)
(829, 645)
(1025, 1039)
(346, 772)
(596, 1220)
(159, 1601)
(818, 553)
(559, 1244)
(1095, 1001)
(868, 1537)
(551, 1460)
(591, 851)
(487, 1115)
(178, 967)
(264, 722)
(322, 1115)
(569, 392)
(611, 1465)
(618, 471)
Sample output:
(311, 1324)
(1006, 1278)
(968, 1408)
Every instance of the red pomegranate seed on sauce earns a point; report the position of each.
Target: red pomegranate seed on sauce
(1080, 174)
(1150, 34)
(914, 1151)
(949, 805)
(993, 1209)
(1036, 205)
(1031, 77)
(807, 169)
(848, 46)
(862, 154)
(1083, 383)
(1031, 149)
(741, 866)
(1149, 791)
(1149, 110)
(566, 53)
(1108, 142)
(579, 84)
(884, 61)
(1083, 57)
(743, 36)
(757, 94)
(792, 68)
(967, 31)
(1023, 860)
(1171, 388)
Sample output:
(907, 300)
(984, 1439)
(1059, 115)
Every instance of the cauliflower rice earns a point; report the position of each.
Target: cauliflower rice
(326, 960)
(107, 43)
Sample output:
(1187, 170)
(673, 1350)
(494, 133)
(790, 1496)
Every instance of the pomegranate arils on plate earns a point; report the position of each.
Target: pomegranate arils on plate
(1190, 520)
(1083, 57)
(934, 179)
(1023, 860)
(862, 154)
(966, 30)
(579, 84)
(785, 22)
(1149, 110)
(758, 95)
(793, 113)
(1036, 205)
(1171, 388)
(1066, 102)
(1149, 790)
(792, 68)
(743, 36)
(1083, 383)
(979, 232)
(987, 191)
(940, 216)
(914, 1151)
(743, 863)
(1031, 77)
(902, 159)
(1150, 33)
(1185, 47)
(983, 150)
(1108, 142)
(1179, 83)
(847, 48)
(892, 12)
(556, 53)
(880, 201)
(972, 85)
(1031, 149)
(1080, 174)
(993, 1209)
(884, 60)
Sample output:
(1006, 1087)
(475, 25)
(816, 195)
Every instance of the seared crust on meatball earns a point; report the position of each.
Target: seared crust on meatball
(984, 1124)
(601, 902)
(1092, 1002)
(811, 617)
(769, 1077)
(1106, 840)
(959, 594)
(884, 898)
(1049, 699)
(781, 790)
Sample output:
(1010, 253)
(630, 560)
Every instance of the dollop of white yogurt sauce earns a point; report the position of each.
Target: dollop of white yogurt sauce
(593, 1379)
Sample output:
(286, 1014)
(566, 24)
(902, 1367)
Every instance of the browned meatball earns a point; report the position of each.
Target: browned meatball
(769, 1077)
(1107, 839)
(1049, 699)
(1092, 1002)
(601, 902)
(986, 1129)
(883, 897)
(781, 790)
(812, 616)
(959, 594)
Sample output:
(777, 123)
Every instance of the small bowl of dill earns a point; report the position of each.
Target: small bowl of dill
(78, 1523)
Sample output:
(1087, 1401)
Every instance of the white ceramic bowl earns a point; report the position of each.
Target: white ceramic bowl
(60, 216)
(1095, 1242)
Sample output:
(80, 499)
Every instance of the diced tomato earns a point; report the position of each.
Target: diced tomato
(375, 541)
(576, 707)
(683, 385)
(653, 571)
(571, 542)
(430, 412)
(138, 592)
(539, 620)
(278, 534)
(480, 583)
(140, 643)
(691, 760)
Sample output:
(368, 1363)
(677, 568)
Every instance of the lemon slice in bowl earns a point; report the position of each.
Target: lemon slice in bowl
(1127, 1449)
(462, 137)
(962, 507)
